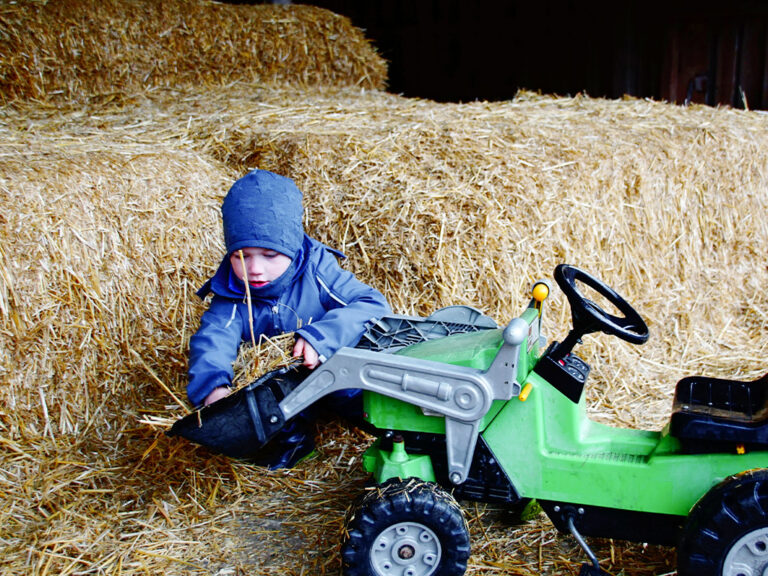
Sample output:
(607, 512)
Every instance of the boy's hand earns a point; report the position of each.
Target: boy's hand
(216, 394)
(304, 348)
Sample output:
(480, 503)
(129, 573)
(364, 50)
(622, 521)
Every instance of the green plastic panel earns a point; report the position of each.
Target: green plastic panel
(552, 451)
(384, 465)
(473, 350)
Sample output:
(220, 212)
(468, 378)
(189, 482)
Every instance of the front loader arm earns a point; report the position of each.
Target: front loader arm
(462, 395)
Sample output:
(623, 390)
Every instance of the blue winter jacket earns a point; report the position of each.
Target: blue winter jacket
(323, 303)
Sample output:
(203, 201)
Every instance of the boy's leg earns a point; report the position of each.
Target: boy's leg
(295, 442)
(348, 404)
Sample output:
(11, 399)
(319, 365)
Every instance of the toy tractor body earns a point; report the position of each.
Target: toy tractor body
(631, 484)
(534, 441)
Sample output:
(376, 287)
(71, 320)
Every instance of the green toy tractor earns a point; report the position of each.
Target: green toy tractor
(465, 410)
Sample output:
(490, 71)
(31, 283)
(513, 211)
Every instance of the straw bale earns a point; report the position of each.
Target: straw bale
(109, 222)
(91, 49)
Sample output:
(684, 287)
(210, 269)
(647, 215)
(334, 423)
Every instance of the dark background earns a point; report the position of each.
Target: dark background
(458, 50)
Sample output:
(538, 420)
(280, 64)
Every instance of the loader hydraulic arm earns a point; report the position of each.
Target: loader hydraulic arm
(462, 395)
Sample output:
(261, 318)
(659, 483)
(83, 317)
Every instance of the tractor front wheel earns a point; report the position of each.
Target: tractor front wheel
(726, 533)
(406, 528)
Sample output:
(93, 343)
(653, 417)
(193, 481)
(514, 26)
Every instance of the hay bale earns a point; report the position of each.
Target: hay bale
(87, 49)
(442, 204)
(108, 224)
(94, 272)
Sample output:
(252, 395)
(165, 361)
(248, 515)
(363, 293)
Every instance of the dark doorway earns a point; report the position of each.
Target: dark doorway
(457, 50)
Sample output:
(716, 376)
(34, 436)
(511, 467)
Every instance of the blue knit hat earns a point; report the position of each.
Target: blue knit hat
(263, 210)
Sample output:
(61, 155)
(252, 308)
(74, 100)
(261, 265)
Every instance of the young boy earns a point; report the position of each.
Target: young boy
(296, 285)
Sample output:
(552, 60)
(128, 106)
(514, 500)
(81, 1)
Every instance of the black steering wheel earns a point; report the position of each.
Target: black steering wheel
(588, 317)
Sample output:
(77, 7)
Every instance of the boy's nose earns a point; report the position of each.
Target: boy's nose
(254, 268)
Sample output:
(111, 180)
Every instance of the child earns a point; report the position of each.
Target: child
(296, 285)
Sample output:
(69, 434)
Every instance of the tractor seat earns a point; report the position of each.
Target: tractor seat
(716, 411)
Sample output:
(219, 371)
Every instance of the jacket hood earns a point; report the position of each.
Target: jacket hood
(263, 210)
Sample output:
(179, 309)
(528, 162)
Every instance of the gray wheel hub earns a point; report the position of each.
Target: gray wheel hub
(406, 549)
(749, 555)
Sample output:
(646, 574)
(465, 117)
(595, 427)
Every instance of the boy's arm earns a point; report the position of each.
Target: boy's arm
(350, 305)
(213, 349)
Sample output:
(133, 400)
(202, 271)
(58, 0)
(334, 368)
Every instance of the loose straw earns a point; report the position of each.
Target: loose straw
(248, 299)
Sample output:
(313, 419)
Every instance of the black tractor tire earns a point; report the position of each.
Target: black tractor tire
(406, 528)
(726, 533)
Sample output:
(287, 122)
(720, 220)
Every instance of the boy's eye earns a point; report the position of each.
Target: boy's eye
(270, 254)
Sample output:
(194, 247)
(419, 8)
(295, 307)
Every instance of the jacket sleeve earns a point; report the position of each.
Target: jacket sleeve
(213, 349)
(349, 303)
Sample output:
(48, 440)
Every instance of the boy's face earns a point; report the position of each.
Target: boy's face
(262, 265)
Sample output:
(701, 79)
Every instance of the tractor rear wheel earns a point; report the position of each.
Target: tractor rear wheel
(726, 533)
(406, 528)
